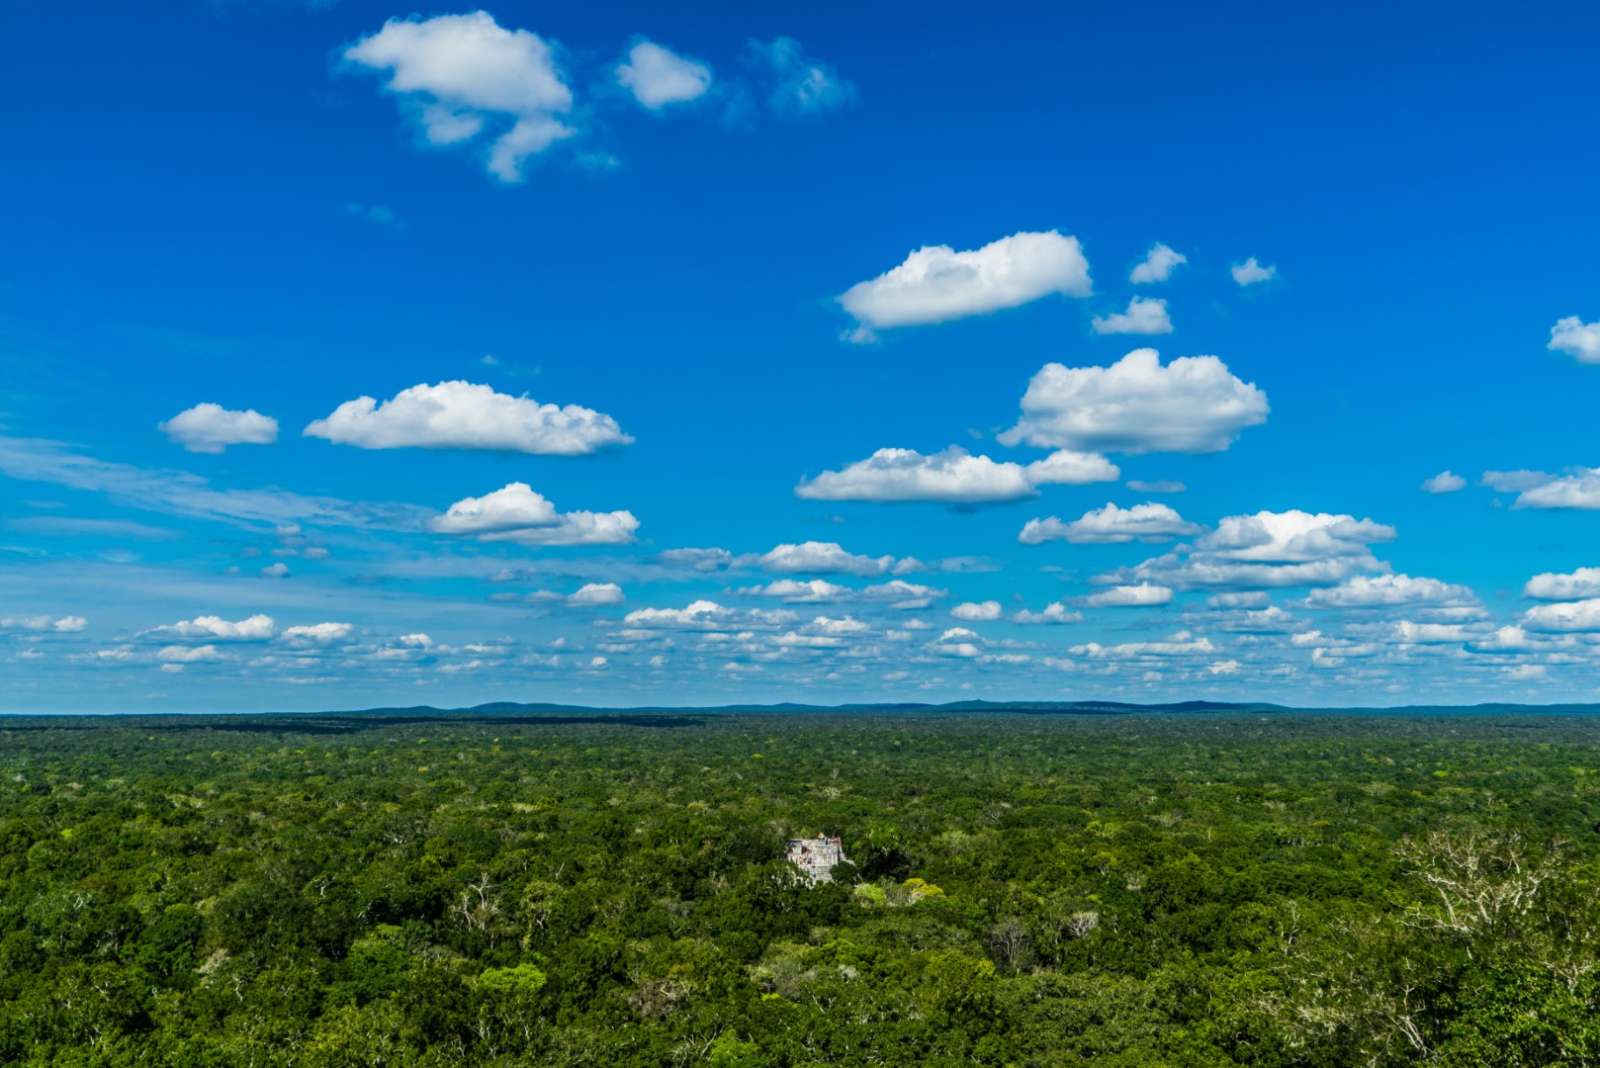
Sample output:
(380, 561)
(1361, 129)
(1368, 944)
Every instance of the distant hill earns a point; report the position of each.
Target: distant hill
(1038, 708)
(683, 715)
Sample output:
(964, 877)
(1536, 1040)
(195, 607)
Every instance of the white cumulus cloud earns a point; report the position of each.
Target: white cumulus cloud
(575, 528)
(1111, 524)
(459, 74)
(517, 513)
(697, 615)
(1573, 586)
(1252, 272)
(1193, 404)
(1504, 639)
(515, 505)
(1576, 338)
(657, 76)
(824, 558)
(1293, 536)
(1268, 550)
(953, 476)
(1145, 315)
(58, 624)
(1180, 644)
(1564, 616)
(838, 626)
(1066, 467)
(1157, 265)
(1268, 620)
(211, 428)
(977, 611)
(958, 642)
(1141, 595)
(463, 415)
(1444, 482)
(1371, 591)
(1409, 633)
(596, 593)
(1054, 612)
(254, 628)
(796, 591)
(318, 633)
(1579, 488)
(936, 283)
(1252, 599)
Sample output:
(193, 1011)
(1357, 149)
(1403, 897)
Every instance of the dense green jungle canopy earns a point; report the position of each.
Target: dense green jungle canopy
(1023, 890)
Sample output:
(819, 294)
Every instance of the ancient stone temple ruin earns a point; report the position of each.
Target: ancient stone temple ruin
(815, 857)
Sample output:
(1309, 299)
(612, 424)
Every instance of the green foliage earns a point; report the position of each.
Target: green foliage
(1024, 891)
(521, 982)
(729, 1052)
(377, 964)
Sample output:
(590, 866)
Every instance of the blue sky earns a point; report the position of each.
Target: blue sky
(622, 282)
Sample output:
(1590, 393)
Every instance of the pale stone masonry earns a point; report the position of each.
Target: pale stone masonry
(815, 857)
